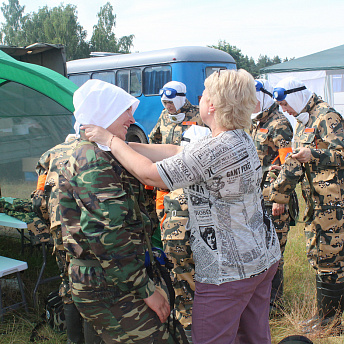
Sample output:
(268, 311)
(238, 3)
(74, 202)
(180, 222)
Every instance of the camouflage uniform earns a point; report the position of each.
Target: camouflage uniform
(103, 232)
(175, 215)
(271, 131)
(324, 232)
(50, 164)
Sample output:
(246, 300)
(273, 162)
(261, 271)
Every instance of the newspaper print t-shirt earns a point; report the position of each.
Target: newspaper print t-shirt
(232, 238)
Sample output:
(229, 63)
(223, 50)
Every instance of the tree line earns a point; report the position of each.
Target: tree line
(245, 62)
(60, 25)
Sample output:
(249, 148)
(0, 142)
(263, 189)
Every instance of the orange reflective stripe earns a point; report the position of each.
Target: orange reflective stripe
(41, 181)
(148, 187)
(263, 130)
(189, 123)
(309, 130)
(283, 152)
(160, 194)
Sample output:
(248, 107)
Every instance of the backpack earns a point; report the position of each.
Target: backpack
(53, 315)
(54, 312)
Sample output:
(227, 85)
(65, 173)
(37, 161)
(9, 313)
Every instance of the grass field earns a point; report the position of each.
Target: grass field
(299, 291)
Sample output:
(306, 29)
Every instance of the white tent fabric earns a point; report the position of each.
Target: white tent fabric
(329, 85)
(314, 80)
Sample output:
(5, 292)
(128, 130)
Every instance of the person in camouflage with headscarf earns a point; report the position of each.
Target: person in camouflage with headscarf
(272, 134)
(178, 115)
(318, 144)
(46, 203)
(103, 229)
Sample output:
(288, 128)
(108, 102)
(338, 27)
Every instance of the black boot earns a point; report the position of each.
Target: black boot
(276, 292)
(330, 302)
(90, 334)
(74, 324)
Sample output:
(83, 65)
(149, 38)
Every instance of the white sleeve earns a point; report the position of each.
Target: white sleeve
(181, 170)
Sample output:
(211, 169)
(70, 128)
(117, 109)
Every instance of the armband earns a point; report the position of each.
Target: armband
(41, 181)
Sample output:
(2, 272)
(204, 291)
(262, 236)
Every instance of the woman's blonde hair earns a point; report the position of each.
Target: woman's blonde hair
(233, 95)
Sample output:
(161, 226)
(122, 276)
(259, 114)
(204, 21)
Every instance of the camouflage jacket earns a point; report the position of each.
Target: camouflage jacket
(51, 162)
(168, 132)
(324, 135)
(270, 131)
(100, 217)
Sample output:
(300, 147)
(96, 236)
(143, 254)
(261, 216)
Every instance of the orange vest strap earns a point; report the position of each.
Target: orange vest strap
(162, 221)
(283, 153)
(160, 194)
(189, 123)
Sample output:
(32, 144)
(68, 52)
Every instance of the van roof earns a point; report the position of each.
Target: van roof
(171, 55)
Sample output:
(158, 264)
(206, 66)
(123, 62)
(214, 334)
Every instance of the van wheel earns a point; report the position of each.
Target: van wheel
(135, 134)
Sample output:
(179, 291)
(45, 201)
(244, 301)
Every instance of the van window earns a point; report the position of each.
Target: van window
(105, 76)
(123, 79)
(211, 70)
(155, 78)
(79, 79)
(135, 82)
(132, 77)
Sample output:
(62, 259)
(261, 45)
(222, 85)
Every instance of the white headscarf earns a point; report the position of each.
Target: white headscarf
(297, 100)
(178, 101)
(265, 100)
(100, 103)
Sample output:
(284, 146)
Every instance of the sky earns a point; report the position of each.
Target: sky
(289, 28)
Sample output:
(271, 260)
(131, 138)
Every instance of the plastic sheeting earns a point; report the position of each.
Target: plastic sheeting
(36, 113)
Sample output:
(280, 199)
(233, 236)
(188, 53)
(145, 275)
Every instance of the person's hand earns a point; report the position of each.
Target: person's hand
(94, 133)
(277, 209)
(159, 305)
(275, 167)
(303, 155)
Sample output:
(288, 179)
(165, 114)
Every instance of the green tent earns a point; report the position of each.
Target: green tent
(36, 113)
(330, 59)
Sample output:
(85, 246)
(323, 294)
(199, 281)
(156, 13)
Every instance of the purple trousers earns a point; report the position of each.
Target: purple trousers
(234, 312)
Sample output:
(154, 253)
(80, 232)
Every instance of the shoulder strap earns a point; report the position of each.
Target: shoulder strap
(310, 202)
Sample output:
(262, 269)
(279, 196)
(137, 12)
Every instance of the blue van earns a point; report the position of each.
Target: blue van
(143, 74)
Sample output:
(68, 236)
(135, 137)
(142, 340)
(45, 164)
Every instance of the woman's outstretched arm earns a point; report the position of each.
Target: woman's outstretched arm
(134, 156)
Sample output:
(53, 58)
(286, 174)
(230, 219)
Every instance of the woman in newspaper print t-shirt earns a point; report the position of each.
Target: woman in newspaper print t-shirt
(234, 243)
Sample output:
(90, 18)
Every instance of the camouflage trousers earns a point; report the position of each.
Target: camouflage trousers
(282, 226)
(179, 252)
(62, 263)
(117, 317)
(325, 243)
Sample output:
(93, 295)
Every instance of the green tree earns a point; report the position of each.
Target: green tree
(104, 38)
(11, 30)
(242, 61)
(58, 25)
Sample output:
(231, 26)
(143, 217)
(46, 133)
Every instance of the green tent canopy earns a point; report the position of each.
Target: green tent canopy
(36, 112)
(44, 81)
(330, 59)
